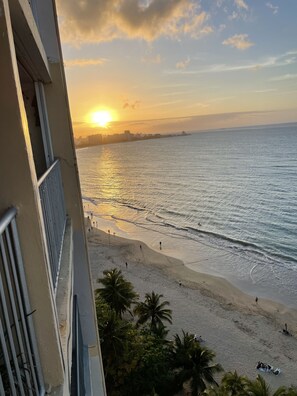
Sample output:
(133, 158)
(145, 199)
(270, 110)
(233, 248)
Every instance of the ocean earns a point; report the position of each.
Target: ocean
(223, 201)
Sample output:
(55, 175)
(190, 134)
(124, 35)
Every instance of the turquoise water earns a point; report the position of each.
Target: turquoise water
(224, 201)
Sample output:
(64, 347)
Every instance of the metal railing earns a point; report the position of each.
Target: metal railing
(20, 372)
(54, 215)
(78, 355)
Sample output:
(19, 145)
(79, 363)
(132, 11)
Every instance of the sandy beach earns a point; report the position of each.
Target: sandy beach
(240, 331)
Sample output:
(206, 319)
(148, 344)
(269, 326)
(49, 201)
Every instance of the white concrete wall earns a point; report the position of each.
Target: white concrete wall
(19, 188)
(18, 176)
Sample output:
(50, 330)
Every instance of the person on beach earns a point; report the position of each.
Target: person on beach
(160, 245)
(285, 330)
(256, 299)
(126, 265)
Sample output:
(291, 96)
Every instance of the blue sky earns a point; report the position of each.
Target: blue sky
(171, 65)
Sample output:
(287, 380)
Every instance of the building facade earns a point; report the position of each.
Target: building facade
(49, 341)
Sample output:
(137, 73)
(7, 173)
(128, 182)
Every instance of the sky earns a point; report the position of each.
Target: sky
(161, 66)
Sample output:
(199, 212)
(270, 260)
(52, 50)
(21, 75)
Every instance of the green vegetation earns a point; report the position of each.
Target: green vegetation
(233, 384)
(139, 360)
(152, 311)
(194, 363)
(116, 291)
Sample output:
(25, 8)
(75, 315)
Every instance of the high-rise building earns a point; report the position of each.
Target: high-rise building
(49, 341)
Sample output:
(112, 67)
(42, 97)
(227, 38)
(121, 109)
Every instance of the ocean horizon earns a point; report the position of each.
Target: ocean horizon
(223, 201)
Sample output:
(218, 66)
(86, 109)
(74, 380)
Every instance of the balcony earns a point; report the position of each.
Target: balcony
(20, 372)
(54, 216)
(79, 360)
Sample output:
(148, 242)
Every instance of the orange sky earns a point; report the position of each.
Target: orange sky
(172, 65)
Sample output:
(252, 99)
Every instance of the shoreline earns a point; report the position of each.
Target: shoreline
(199, 256)
(231, 321)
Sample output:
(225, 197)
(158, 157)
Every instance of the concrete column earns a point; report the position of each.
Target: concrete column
(19, 188)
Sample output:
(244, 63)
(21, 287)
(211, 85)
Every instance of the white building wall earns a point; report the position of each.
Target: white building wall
(18, 175)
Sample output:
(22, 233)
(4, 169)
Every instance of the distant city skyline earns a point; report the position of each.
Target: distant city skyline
(161, 66)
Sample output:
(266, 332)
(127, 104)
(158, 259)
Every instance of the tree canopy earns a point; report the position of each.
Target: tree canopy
(139, 360)
(117, 291)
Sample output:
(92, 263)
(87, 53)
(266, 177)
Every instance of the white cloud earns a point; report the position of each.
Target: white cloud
(284, 77)
(195, 26)
(234, 15)
(239, 41)
(269, 62)
(105, 20)
(241, 4)
(183, 64)
(273, 8)
(240, 12)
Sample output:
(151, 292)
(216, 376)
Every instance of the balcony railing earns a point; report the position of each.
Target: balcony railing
(20, 372)
(54, 215)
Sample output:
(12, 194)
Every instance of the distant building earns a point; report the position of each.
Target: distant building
(49, 340)
(94, 140)
(128, 136)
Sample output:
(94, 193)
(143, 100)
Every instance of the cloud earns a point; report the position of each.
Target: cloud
(269, 62)
(273, 8)
(195, 25)
(241, 11)
(104, 20)
(131, 105)
(241, 4)
(234, 15)
(183, 64)
(84, 62)
(284, 77)
(264, 90)
(239, 41)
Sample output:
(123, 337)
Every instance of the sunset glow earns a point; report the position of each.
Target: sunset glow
(179, 65)
(101, 118)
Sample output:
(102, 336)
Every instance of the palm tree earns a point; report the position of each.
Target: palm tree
(183, 347)
(117, 291)
(216, 391)
(153, 311)
(291, 391)
(260, 388)
(114, 333)
(234, 384)
(161, 333)
(194, 364)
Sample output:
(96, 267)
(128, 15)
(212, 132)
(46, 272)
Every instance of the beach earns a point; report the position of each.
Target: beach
(238, 329)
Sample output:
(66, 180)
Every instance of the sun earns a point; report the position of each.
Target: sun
(101, 118)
